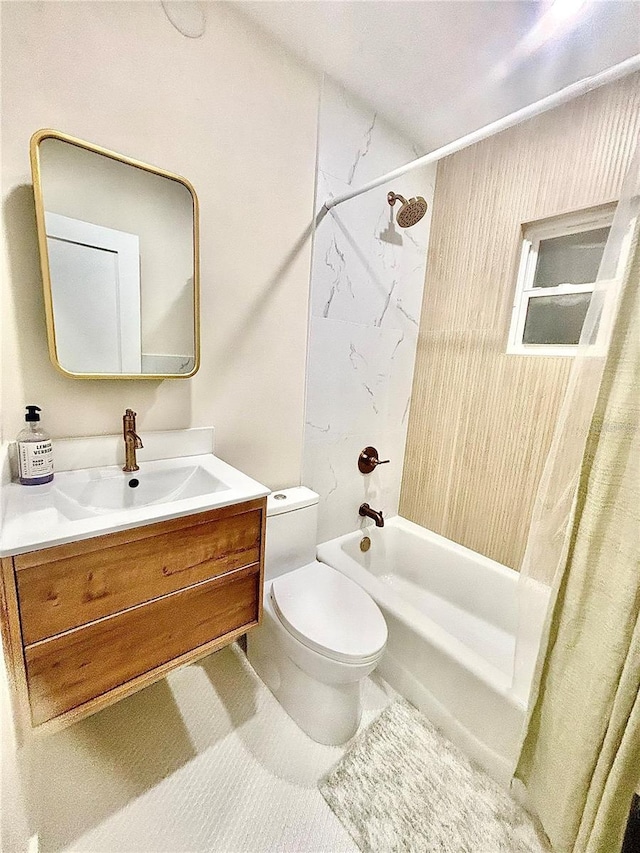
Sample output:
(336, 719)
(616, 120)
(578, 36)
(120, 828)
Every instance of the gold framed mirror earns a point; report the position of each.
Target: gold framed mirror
(119, 254)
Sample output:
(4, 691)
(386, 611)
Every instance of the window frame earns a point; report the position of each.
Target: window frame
(533, 233)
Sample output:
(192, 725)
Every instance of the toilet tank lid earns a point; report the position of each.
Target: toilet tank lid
(286, 500)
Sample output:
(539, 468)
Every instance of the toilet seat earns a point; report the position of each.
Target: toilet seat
(329, 613)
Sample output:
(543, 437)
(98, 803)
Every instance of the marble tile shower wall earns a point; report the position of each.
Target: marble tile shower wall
(366, 293)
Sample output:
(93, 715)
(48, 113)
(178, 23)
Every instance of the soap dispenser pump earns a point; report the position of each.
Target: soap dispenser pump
(35, 452)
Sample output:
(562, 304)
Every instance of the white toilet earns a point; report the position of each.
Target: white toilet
(321, 633)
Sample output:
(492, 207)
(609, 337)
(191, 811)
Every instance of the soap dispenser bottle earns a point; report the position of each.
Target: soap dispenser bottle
(35, 452)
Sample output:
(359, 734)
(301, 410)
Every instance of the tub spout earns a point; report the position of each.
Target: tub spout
(365, 510)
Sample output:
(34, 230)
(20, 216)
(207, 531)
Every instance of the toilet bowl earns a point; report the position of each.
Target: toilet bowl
(321, 633)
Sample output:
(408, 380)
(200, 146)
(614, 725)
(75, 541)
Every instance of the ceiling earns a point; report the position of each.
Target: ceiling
(437, 70)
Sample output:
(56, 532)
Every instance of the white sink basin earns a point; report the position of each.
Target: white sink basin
(95, 501)
(103, 490)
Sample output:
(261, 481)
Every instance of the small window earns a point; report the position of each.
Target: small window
(558, 269)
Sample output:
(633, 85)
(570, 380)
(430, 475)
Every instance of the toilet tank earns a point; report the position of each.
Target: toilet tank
(292, 526)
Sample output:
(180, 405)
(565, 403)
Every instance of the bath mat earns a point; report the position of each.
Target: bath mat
(402, 786)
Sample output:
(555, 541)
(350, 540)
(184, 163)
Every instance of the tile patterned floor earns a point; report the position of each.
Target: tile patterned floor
(205, 759)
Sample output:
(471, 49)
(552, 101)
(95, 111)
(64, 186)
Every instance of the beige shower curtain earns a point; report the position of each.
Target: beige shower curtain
(580, 759)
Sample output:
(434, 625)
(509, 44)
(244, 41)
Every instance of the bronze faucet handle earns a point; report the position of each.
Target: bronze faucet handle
(129, 420)
(368, 460)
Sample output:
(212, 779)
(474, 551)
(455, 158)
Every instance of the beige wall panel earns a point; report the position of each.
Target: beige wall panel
(481, 421)
(237, 116)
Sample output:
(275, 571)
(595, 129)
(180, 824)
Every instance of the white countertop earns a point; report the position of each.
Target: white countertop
(38, 517)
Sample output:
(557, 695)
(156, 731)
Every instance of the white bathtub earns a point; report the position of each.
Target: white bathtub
(452, 617)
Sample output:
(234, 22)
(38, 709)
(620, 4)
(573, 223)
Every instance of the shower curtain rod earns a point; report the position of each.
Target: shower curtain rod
(622, 69)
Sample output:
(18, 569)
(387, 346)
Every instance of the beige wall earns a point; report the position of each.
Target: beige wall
(481, 421)
(236, 116)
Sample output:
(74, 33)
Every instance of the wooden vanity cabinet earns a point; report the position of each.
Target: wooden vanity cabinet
(88, 623)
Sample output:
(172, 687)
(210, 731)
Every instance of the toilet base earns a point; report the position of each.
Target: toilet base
(328, 713)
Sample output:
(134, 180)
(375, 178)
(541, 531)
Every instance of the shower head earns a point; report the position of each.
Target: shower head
(411, 211)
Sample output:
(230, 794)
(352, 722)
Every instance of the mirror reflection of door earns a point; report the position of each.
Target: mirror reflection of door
(119, 256)
(95, 288)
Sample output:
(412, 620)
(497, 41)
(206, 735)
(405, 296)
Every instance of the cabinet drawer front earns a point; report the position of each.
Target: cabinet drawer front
(66, 671)
(74, 590)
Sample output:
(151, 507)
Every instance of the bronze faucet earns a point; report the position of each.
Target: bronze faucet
(368, 460)
(365, 510)
(132, 441)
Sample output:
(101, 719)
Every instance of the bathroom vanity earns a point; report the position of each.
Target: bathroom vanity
(104, 611)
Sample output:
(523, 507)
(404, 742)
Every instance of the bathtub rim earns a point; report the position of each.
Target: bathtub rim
(332, 553)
